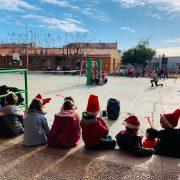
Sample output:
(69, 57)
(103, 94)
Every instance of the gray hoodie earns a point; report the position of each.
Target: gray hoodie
(36, 128)
(12, 109)
(154, 78)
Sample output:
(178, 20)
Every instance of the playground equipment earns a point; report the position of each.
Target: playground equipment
(89, 65)
(7, 71)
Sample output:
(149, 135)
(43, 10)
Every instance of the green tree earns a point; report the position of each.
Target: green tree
(141, 54)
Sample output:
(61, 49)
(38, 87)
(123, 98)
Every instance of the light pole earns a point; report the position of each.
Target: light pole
(27, 56)
(31, 37)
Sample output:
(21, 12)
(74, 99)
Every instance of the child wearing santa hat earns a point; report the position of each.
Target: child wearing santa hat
(129, 141)
(36, 128)
(169, 138)
(94, 129)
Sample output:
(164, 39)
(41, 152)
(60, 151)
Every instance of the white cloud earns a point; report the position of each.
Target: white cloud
(96, 14)
(67, 25)
(16, 5)
(169, 6)
(128, 29)
(169, 52)
(155, 16)
(130, 3)
(91, 12)
(175, 40)
(60, 3)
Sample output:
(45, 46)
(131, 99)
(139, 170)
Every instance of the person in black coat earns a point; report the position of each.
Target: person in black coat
(11, 125)
(169, 138)
(129, 141)
(11, 117)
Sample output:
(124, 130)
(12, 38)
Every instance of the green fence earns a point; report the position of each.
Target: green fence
(89, 68)
(24, 71)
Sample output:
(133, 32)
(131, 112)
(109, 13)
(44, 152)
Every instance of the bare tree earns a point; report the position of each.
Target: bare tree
(43, 46)
(75, 48)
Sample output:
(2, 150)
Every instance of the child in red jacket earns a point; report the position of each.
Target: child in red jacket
(94, 129)
(65, 131)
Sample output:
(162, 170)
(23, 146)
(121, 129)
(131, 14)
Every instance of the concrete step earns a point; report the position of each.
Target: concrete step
(18, 162)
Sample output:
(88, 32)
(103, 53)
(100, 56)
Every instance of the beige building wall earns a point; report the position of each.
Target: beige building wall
(115, 60)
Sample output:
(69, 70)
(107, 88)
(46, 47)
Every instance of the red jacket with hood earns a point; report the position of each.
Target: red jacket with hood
(93, 129)
(65, 131)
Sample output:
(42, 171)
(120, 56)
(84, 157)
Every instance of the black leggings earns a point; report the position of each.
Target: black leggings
(156, 83)
(97, 81)
(93, 81)
(106, 144)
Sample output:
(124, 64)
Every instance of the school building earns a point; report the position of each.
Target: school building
(69, 57)
(168, 58)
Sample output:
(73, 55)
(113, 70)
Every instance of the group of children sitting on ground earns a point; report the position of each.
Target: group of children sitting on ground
(98, 78)
(67, 128)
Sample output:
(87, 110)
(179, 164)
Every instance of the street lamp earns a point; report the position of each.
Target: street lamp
(27, 57)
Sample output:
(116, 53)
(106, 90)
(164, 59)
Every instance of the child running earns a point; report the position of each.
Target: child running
(129, 141)
(36, 127)
(94, 129)
(169, 138)
(65, 131)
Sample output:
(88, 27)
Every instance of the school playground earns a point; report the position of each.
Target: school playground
(136, 97)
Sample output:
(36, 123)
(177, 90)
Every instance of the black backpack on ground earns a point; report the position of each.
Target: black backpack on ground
(113, 109)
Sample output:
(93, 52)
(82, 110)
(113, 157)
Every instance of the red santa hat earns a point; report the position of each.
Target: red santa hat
(132, 122)
(43, 101)
(93, 107)
(171, 120)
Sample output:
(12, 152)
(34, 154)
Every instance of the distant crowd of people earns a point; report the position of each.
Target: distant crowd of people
(55, 68)
(162, 73)
(98, 78)
(141, 72)
(68, 128)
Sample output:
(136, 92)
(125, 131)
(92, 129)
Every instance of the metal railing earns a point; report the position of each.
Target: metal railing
(25, 90)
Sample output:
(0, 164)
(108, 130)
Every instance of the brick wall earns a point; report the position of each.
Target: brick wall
(110, 62)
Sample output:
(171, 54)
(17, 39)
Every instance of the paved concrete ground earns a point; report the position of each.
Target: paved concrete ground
(136, 96)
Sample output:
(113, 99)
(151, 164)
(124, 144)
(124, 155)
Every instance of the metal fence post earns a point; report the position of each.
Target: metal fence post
(26, 88)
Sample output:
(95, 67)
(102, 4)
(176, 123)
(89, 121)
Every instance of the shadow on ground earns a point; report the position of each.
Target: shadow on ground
(18, 162)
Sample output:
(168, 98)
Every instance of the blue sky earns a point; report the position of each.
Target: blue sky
(124, 21)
